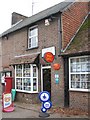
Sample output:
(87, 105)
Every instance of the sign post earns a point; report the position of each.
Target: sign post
(46, 103)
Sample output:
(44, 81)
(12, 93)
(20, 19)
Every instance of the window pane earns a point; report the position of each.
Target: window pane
(34, 85)
(83, 67)
(73, 68)
(88, 59)
(73, 77)
(27, 70)
(88, 67)
(84, 85)
(27, 84)
(77, 60)
(78, 66)
(34, 41)
(88, 77)
(19, 71)
(33, 32)
(28, 78)
(88, 85)
(73, 61)
(72, 84)
(79, 71)
(34, 71)
(19, 83)
(29, 44)
(77, 77)
(33, 38)
(73, 81)
(83, 77)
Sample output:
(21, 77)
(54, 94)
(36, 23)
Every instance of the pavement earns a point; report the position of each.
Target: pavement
(23, 110)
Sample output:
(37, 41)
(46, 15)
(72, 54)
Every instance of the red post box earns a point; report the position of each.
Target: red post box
(8, 85)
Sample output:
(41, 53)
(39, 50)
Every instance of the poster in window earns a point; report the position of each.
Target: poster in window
(73, 69)
(84, 67)
(88, 67)
(78, 67)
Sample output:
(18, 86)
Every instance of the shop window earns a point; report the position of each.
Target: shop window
(26, 78)
(33, 38)
(79, 73)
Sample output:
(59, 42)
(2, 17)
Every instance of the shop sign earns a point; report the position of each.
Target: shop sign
(57, 78)
(44, 96)
(56, 66)
(45, 99)
(49, 57)
(7, 100)
(47, 105)
(49, 49)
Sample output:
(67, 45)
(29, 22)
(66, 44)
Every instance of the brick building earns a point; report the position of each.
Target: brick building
(52, 30)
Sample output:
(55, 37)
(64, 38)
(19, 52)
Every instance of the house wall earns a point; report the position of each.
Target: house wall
(16, 44)
(79, 100)
(72, 19)
(49, 37)
(13, 45)
(0, 55)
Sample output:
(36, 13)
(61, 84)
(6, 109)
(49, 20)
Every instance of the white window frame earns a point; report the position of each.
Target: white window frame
(77, 89)
(28, 77)
(30, 37)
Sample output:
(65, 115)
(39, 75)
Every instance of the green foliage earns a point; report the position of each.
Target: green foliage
(86, 24)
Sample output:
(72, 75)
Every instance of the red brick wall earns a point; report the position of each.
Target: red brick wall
(79, 100)
(16, 44)
(0, 55)
(72, 19)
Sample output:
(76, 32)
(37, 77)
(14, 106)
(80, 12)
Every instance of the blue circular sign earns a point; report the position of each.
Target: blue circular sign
(43, 110)
(47, 105)
(44, 96)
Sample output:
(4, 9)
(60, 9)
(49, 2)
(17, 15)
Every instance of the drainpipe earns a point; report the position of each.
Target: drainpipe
(59, 34)
(66, 73)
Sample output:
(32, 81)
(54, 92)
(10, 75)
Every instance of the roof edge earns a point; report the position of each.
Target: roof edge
(75, 54)
(39, 16)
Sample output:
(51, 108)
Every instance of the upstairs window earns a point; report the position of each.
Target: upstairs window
(33, 38)
(79, 73)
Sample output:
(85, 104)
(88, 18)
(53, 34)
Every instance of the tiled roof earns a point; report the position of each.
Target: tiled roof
(81, 42)
(24, 59)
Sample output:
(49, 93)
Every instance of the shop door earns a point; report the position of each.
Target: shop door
(47, 80)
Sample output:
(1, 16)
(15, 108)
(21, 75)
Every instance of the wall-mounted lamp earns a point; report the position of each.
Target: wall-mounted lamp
(47, 21)
(6, 37)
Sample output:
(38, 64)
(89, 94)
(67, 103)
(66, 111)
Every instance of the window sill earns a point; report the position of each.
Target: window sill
(31, 92)
(79, 90)
(32, 48)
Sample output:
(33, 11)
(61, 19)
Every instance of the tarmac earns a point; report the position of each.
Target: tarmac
(23, 110)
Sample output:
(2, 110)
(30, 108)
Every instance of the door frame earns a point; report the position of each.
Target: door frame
(43, 67)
